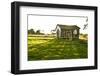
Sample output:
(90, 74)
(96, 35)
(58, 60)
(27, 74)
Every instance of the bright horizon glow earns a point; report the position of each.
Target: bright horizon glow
(47, 23)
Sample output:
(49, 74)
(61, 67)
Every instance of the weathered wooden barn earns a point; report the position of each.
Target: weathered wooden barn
(67, 31)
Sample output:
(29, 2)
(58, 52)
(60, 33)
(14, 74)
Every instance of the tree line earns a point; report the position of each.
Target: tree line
(31, 31)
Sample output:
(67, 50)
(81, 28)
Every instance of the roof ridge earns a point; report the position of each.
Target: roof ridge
(67, 26)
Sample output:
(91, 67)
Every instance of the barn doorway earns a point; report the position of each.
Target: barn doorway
(58, 33)
(69, 35)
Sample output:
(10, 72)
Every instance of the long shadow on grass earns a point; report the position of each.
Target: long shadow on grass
(58, 49)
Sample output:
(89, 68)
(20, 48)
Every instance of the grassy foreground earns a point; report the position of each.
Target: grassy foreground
(50, 48)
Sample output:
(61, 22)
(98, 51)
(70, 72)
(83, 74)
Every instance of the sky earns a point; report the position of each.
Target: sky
(46, 23)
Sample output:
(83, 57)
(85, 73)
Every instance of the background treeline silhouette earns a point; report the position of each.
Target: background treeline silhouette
(31, 31)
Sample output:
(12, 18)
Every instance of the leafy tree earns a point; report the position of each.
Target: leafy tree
(85, 35)
(86, 24)
(38, 32)
(31, 31)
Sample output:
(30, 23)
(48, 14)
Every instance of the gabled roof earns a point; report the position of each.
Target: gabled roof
(68, 26)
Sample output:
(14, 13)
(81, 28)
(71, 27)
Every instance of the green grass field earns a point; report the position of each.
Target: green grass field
(50, 48)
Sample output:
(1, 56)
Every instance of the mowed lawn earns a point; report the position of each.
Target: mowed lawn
(50, 48)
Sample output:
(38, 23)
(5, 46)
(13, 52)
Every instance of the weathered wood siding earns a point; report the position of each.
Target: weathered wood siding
(68, 33)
